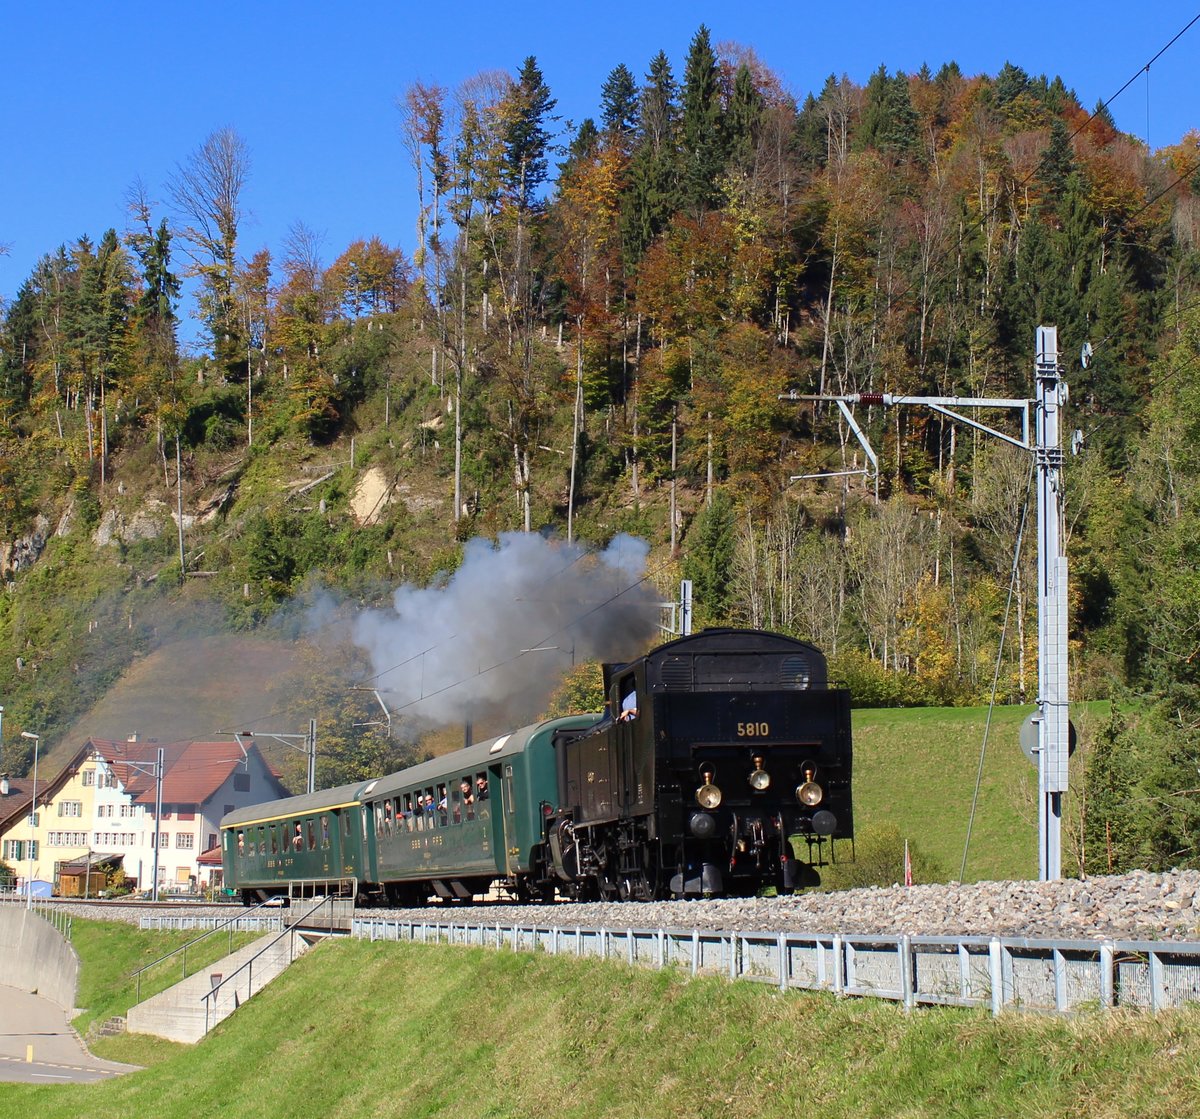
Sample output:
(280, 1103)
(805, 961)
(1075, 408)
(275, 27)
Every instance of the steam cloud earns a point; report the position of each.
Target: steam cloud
(461, 651)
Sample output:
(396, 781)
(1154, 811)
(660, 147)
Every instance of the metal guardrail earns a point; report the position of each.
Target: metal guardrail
(49, 913)
(171, 923)
(996, 973)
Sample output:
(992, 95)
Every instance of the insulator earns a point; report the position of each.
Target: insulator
(870, 397)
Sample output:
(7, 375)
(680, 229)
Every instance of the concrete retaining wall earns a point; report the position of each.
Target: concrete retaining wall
(34, 956)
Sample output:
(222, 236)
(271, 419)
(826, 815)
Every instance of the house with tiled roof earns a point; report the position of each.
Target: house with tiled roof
(201, 782)
(107, 806)
(33, 839)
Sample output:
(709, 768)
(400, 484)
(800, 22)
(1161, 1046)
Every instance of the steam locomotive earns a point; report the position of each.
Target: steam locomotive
(721, 765)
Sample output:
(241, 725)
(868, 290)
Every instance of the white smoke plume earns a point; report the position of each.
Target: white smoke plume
(493, 640)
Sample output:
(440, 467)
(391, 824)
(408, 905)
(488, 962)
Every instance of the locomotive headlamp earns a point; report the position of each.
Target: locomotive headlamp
(759, 778)
(708, 795)
(809, 794)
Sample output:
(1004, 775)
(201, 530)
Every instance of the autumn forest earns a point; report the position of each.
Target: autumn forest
(593, 334)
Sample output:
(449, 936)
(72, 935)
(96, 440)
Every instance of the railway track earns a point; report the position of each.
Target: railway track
(1140, 904)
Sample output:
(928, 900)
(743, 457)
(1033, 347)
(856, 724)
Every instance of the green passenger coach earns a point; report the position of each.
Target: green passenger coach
(303, 845)
(453, 825)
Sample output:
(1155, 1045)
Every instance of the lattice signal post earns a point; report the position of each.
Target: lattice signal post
(1045, 445)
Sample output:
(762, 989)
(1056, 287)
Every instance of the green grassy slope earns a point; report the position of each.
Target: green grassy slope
(916, 768)
(359, 1029)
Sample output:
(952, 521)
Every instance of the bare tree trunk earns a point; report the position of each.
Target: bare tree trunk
(576, 426)
(674, 507)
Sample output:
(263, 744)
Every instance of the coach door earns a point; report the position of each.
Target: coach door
(503, 807)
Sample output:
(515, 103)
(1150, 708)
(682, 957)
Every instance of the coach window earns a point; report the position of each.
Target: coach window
(455, 806)
(241, 843)
(312, 836)
(442, 806)
(262, 840)
(274, 840)
(409, 822)
(324, 833)
(508, 789)
(387, 817)
(297, 836)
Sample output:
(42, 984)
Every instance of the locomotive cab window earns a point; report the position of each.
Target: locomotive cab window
(628, 709)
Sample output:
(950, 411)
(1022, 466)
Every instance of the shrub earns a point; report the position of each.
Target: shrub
(879, 861)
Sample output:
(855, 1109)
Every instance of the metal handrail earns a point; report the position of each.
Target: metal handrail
(183, 948)
(288, 930)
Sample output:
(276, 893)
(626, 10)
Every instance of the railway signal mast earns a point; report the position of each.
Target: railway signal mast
(1045, 445)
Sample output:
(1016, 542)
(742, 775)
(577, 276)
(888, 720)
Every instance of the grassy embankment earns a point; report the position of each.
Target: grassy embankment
(359, 1029)
(915, 768)
(111, 951)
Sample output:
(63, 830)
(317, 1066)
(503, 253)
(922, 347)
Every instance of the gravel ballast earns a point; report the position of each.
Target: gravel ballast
(1134, 906)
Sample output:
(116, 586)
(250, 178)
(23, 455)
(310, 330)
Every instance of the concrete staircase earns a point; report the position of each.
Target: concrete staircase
(180, 1012)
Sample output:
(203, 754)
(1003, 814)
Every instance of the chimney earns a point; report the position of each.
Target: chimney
(3, 784)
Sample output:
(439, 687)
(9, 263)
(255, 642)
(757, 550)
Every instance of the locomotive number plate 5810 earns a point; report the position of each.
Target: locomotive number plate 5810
(754, 730)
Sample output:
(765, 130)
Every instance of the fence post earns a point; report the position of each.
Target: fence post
(907, 973)
(1108, 979)
(996, 974)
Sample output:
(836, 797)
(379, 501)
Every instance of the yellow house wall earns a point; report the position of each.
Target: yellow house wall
(49, 820)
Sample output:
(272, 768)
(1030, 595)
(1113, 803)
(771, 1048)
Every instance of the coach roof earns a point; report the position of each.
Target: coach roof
(323, 801)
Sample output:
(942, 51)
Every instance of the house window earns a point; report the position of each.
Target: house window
(70, 808)
(89, 778)
(185, 841)
(241, 782)
(128, 810)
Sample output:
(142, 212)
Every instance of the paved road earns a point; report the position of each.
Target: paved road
(33, 1026)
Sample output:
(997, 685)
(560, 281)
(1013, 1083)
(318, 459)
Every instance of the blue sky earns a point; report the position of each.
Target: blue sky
(96, 95)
